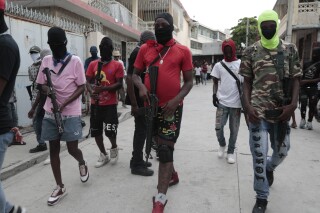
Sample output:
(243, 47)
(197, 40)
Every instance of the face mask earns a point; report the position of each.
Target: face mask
(106, 53)
(163, 35)
(58, 51)
(94, 55)
(268, 33)
(35, 56)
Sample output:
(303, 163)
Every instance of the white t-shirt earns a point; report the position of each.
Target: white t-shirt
(228, 93)
(198, 70)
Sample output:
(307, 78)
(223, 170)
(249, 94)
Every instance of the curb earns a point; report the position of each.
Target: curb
(36, 159)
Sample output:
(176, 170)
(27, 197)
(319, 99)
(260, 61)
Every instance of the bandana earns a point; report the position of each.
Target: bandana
(269, 15)
(229, 42)
(2, 5)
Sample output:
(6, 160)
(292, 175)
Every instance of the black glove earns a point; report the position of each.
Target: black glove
(215, 100)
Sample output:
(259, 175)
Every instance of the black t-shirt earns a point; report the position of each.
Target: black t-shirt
(9, 66)
(311, 71)
(88, 61)
(131, 61)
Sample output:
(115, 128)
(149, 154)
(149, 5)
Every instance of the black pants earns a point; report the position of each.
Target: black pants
(138, 139)
(308, 97)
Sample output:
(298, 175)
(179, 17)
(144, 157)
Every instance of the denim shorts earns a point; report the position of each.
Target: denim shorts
(72, 129)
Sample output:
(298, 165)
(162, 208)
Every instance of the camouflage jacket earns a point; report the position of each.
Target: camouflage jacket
(33, 73)
(259, 64)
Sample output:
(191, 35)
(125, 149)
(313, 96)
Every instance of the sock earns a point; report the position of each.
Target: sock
(162, 198)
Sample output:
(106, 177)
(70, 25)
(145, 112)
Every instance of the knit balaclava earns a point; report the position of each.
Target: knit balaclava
(229, 42)
(57, 41)
(106, 49)
(272, 43)
(164, 35)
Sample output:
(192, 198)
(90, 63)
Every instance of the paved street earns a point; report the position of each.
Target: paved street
(207, 184)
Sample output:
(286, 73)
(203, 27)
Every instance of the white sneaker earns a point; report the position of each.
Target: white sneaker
(57, 194)
(47, 161)
(309, 126)
(114, 155)
(302, 124)
(103, 159)
(221, 151)
(84, 172)
(230, 158)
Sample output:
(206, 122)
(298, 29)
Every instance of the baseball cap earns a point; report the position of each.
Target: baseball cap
(35, 49)
(116, 53)
(2, 4)
(93, 49)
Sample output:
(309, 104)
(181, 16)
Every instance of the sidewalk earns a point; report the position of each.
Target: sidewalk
(207, 184)
(18, 157)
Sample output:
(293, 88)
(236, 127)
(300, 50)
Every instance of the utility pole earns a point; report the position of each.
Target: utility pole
(289, 21)
(247, 32)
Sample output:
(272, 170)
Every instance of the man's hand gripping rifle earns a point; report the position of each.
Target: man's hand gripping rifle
(152, 109)
(52, 95)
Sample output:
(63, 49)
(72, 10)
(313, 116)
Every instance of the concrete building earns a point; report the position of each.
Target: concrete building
(86, 23)
(300, 24)
(206, 43)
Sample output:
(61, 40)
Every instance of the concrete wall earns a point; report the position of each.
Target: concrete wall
(28, 34)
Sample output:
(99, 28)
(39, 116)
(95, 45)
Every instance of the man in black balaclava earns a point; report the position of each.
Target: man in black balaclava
(164, 28)
(94, 56)
(57, 41)
(106, 49)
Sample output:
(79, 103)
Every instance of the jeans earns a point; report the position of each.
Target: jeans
(259, 149)
(222, 115)
(37, 124)
(139, 139)
(5, 140)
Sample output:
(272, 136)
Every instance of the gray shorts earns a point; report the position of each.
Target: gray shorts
(72, 129)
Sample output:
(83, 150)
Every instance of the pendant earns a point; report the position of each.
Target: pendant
(161, 61)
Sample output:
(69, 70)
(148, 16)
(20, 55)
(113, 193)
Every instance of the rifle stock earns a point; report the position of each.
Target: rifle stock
(52, 95)
(152, 109)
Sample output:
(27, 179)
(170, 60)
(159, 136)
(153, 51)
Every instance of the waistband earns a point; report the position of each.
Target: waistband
(50, 115)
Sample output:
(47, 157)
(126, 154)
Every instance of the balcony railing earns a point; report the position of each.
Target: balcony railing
(119, 13)
(308, 7)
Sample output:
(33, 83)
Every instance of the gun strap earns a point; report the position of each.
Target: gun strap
(233, 75)
(64, 64)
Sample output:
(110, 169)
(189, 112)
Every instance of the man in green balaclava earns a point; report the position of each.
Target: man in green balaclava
(266, 67)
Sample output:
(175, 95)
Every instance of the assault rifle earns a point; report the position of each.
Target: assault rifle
(98, 83)
(152, 109)
(52, 95)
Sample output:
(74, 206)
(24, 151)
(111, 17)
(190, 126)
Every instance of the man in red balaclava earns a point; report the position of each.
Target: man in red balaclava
(226, 98)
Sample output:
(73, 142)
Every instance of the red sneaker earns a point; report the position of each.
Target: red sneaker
(158, 207)
(174, 179)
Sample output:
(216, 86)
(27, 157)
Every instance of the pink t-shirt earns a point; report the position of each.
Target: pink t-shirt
(64, 84)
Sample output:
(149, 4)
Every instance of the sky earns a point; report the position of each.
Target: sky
(221, 15)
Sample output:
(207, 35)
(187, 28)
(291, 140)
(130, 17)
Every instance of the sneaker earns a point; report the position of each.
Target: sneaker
(103, 159)
(84, 172)
(230, 158)
(57, 194)
(294, 125)
(270, 177)
(158, 207)
(302, 124)
(309, 126)
(221, 151)
(142, 170)
(47, 161)
(114, 154)
(174, 179)
(18, 209)
(39, 148)
(260, 206)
